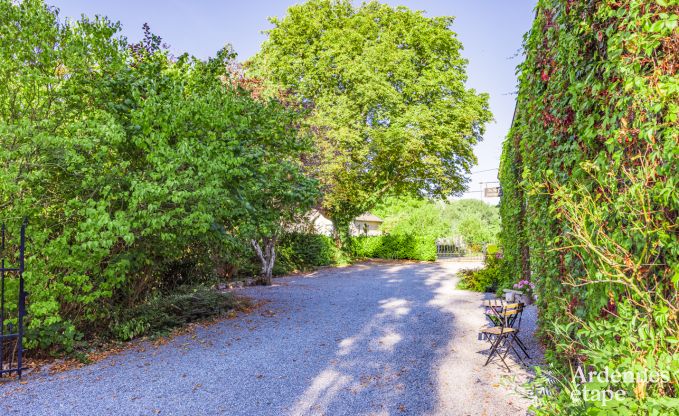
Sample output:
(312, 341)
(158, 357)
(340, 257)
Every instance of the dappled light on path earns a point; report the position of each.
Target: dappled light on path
(397, 307)
(323, 389)
(447, 367)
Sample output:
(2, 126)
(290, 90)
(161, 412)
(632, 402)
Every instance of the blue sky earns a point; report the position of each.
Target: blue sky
(490, 30)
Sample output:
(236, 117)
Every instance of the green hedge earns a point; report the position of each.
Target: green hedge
(394, 247)
(301, 252)
(138, 172)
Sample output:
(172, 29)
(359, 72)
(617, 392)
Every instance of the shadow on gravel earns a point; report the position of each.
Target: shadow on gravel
(389, 366)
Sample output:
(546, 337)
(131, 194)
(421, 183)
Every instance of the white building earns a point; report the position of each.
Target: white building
(364, 224)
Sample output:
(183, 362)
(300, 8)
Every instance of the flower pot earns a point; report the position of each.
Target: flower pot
(526, 299)
(510, 295)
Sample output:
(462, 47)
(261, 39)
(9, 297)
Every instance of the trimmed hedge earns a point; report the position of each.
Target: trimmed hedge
(394, 247)
(301, 252)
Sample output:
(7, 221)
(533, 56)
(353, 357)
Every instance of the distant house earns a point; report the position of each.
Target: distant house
(321, 225)
(366, 224)
(314, 221)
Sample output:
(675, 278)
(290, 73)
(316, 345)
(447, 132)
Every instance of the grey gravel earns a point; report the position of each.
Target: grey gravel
(370, 339)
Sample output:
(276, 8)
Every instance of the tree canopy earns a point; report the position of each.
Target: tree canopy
(390, 112)
(474, 220)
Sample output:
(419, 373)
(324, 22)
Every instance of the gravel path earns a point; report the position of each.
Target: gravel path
(370, 339)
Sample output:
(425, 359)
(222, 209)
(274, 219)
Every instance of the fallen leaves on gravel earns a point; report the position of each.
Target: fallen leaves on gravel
(53, 366)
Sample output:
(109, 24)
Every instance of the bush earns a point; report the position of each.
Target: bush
(303, 251)
(472, 219)
(394, 247)
(490, 278)
(144, 173)
(165, 312)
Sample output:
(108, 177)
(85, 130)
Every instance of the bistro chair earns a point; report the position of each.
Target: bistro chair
(493, 310)
(504, 335)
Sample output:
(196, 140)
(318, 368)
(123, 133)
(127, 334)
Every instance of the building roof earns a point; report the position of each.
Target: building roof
(368, 217)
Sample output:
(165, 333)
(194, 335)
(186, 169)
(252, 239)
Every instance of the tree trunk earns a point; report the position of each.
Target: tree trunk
(266, 256)
(340, 233)
(336, 236)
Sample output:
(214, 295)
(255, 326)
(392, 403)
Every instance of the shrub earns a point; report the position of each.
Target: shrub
(305, 251)
(492, 249)
(145, 172)
(474, 220)
(394, 247)
(488, 279)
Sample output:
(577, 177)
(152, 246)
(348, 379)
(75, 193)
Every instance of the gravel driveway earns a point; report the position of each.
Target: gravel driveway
(370, 339)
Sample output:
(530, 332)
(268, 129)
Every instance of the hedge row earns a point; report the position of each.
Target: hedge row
(394, 247)
(301, 252)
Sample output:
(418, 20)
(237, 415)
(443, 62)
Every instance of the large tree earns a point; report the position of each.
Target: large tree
(389, 107)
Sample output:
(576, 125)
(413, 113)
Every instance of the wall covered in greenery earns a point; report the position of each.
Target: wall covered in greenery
(589, 212)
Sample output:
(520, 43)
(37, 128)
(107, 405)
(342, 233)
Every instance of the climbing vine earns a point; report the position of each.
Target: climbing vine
(589, 174)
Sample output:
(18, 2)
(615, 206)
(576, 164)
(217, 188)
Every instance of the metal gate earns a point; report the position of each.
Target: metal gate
(12, 304)
(450, 247)
(455, 248)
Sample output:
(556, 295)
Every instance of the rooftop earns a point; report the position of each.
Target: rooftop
(368, 217)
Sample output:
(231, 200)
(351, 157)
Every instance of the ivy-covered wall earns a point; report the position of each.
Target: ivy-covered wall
(589, 211)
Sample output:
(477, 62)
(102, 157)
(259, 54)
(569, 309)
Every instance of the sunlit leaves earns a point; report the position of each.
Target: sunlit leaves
(389, 109)
(589, 179)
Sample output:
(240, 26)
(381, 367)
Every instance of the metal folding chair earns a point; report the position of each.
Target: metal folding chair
(493, 310)
(505, 334)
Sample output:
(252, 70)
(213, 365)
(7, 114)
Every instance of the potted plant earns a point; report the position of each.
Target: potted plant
(526, 288)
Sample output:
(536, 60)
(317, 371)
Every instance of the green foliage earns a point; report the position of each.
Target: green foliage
(162, 313)
(302, 252)
(390, 112)
(477, 222)
(394, 247)
(414, 216)
(490, 278)
(492, 249)
(589, 176)
(137, 171)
